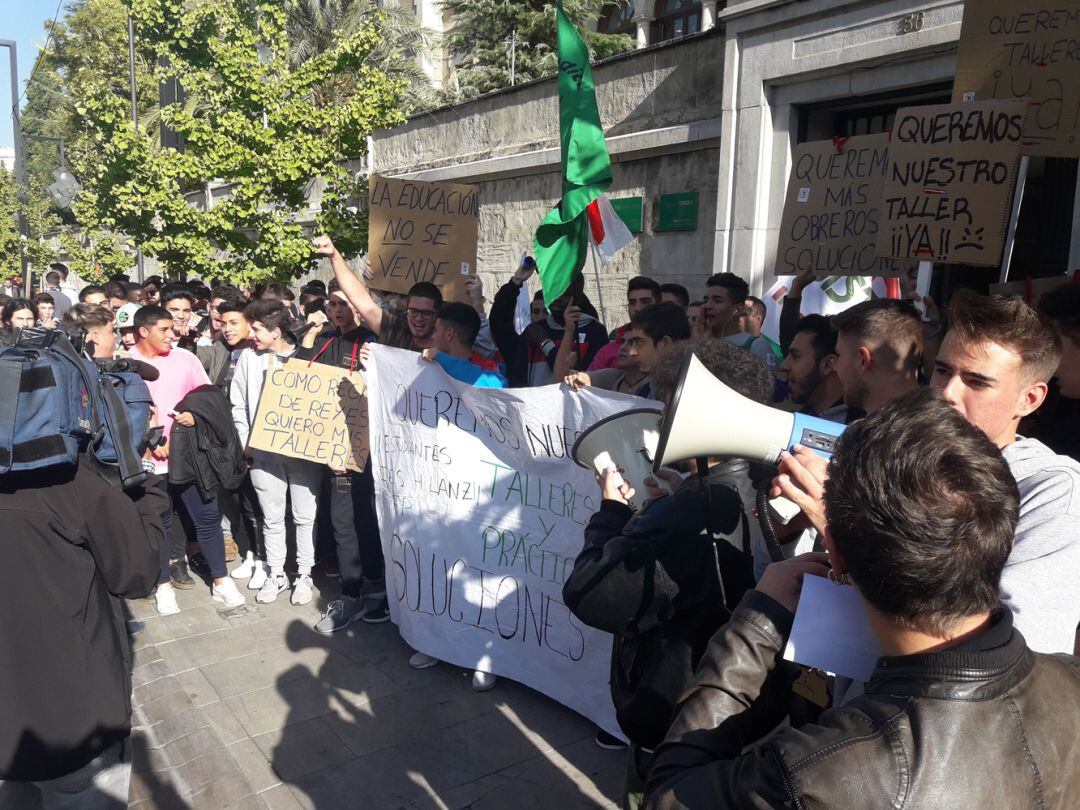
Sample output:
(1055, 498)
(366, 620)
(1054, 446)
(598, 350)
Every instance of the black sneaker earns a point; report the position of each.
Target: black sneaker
(198, 564)
(378, 614)
(179, 576)
(609, 742)
(134, 627)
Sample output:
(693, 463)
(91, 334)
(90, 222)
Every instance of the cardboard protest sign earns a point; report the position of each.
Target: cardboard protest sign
(421, 231)
(482, 514)
(1026, 49)
(832, 209)
(314, 412)
(949, 189)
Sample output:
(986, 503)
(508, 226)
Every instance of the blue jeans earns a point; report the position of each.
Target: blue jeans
(101, 784)
(207, 521)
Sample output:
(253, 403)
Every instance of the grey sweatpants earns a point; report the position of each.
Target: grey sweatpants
(275, 476)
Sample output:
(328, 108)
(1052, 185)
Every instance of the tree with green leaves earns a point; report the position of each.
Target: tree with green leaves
(40, 218)
(491, 36)
(315, 26)
(261, 134)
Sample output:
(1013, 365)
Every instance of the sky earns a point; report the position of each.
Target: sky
(24, 22)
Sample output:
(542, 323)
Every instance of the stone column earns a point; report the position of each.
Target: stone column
(708, 14)
(642, 31)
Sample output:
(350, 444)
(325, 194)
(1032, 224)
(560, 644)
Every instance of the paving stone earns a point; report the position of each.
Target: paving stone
(173, 728)
(220, 718)
(149, 714)
(157, 689)
(253, 802)
(149, 672)
(254, 765)
(280, 798)
(197, 687)
(269, 667)
(210, 766)
(223, 791)
(223, 644)
(192, 746)
(303, 748)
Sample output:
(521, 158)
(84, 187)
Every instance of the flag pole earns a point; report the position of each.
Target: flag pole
(596, 273)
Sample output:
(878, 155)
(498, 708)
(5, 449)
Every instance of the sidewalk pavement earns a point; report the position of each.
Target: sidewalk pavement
(251, 708)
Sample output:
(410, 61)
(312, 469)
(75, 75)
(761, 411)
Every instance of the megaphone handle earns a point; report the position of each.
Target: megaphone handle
(783, 509)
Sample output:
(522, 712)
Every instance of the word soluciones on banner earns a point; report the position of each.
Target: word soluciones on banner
(482, 513)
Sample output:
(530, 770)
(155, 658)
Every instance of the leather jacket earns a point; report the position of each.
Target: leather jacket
(993, 728)
(662, 586)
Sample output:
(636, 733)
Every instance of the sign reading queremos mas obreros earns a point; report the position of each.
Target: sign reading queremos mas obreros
(482, 513)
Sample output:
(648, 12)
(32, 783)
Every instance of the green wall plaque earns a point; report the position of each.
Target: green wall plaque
(677, 212)
(629, 211)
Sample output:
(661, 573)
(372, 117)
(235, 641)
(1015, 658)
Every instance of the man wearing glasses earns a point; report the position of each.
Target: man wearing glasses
(414, 331)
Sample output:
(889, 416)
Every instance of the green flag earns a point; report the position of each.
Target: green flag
(562, 240)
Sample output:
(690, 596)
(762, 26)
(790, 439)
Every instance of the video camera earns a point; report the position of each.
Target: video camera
(56, 402)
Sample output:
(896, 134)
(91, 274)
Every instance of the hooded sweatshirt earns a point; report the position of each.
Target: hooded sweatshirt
(1041, 581)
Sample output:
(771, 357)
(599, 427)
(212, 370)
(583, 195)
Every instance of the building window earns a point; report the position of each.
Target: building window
(617, 18)
(676, 18)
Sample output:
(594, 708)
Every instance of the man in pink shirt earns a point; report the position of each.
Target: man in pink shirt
(180, 372)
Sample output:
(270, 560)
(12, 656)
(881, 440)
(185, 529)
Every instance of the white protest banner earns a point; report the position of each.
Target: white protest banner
(482, 513)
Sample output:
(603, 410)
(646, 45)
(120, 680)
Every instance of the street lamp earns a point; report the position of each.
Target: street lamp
(66, 186)
(22, 192)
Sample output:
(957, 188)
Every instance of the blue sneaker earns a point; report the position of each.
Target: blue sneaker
(340, 614)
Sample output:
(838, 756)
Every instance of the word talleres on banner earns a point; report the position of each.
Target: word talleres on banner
(952, 173)
(482, 513)
(1031, 50)
(832, 209)
(420, 231)
(314, 412)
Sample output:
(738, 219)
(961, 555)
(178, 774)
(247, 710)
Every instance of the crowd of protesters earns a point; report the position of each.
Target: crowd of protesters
(952, 505)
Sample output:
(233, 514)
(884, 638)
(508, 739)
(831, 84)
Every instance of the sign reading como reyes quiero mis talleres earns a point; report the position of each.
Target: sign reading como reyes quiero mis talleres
(949, 189)
(420, 231)
(315, 412)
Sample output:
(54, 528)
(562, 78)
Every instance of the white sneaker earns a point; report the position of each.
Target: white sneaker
(259, 574)
(165, 598)
(302, 590)
(483, 681)
(275, 584)
(246, 568)
(225, 591)
(422, 661)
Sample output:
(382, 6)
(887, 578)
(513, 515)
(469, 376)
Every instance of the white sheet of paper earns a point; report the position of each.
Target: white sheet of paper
(831, 631)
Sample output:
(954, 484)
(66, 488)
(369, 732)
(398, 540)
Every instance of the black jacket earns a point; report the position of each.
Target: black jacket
(71, 545)
(337, 350)
(208, 455)
(965, 728)
(663, 586)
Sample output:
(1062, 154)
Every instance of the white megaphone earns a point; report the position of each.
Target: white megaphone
(625, 441)
(706, 418)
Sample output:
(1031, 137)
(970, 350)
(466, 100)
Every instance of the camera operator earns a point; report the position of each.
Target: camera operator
(73, 547)
(663, 581)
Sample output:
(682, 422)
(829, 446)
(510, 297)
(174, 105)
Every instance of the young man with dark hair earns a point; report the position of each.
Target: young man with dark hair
(45, 310)
(180, 373)
(414, 331)
(675, 294)
(753, 321)
(641, 292)
(65, 285)
(94, 295)
(922, 511)
(117, 293)
(1061, 306)
(275, 477)
(61, 302)
(456, 328)
(98, 323)
(879, 348)
(531, 356)
(664, 581)
(993, 367)
(349, 497)
(810, 371)
(180, 302)
(725, 306)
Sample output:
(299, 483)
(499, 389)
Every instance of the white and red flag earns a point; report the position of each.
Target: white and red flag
(607, 231)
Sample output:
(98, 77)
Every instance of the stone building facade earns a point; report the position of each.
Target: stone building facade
(715, 113)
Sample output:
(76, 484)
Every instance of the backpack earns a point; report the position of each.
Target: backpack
(55, 402)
